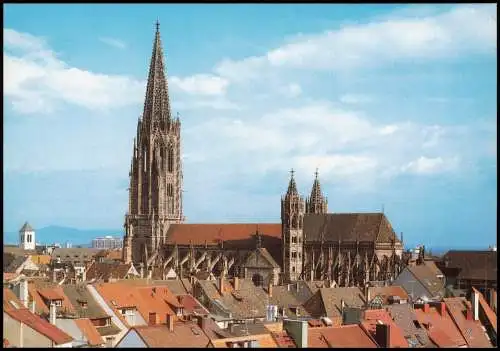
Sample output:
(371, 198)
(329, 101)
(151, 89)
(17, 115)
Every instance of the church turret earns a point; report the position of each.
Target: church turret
(316, 203)
(292, 220)
(156, 170)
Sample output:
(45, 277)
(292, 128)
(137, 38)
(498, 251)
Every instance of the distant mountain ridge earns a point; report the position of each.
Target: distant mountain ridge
(59, 234)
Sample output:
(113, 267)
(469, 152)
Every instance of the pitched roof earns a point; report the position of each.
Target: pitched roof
(40, 325)
(185, 334)
(10, 300)
(82, 254)
(198, 234)
(404, 316)
(90, 331)
(481, 265)
(252, 259)
(372, 317)
(26, 228)
(107, 270)
(191, 305)
(471, 330)
(343, 336)
(428, 277)
(291, 295)
(77, 293)
(387, 291)
(443, 323)
(326, 302)
(15, 263)
(373, 227)
(56, 292)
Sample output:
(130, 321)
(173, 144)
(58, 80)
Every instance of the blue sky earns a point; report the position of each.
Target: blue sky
(395, 104)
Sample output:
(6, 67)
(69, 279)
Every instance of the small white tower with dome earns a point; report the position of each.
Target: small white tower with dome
(27, 237)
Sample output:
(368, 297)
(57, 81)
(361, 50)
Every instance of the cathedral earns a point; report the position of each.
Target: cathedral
(344, 249)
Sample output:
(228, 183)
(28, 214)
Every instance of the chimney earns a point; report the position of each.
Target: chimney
(153, 318)
(54, 275)
(297, 286)
(32, 306)
(367, 294)
(342, 306)
(23, 292)
(493, 300)
(170, 322)
(382, 335)
(236, 283)
(426, 308)
(52, 313)
(288, 287)
(270, 289)
(475, 304)
(468, 315)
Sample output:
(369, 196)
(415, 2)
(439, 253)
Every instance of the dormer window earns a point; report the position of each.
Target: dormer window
(58, 303)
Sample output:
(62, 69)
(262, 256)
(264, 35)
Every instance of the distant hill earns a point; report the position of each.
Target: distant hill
(58, 234)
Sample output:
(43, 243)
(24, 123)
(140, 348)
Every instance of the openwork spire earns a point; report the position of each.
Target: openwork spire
(316, 203)
(292, 187)
(157, 104)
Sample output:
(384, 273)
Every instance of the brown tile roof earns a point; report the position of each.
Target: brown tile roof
(198, 234)
(107, 270)
(175, 286)
(343, 336)
(371, 319)
(443, 323)
(327, 301)
(50, 294)
(373, 227)
(291, 295)
(283, 340)
(90, 331)
(490, 315)
(77, 293)
(40, 325)
(386, 291)
(429, 279)
(8, 296)
(55, 292)
(474, 265)
(471, 330)
(185, 334)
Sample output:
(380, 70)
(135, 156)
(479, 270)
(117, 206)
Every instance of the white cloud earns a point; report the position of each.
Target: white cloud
(36, 81)
(201, 84)
(113, 42)
(463, 29)
(425, 165)
(293, 90)
(356, 98)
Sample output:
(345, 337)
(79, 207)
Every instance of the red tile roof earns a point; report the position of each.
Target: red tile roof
(443, 323)
(40, 325)
(344, 336)
(50, 294)
(89, 330)
(198, 234)
(471, 330)
(369, 323)
(192, 305)
(386, 291)
(8, 296)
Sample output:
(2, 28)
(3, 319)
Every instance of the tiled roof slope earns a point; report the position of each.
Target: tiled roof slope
(435, 323)
(328, 301)
(211, 234)
(373, 227)
(471, 330)
(8, 296)
(387, 291)
(474, 264)
(90, 331)
(185, 334)
(396, 335)
(490, 315)
(343, 336)
(404, 316)
(40, 325)
(79, 293)
(429, 279)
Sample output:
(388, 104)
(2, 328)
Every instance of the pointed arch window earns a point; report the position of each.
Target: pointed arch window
(170, 156)
(170, 198)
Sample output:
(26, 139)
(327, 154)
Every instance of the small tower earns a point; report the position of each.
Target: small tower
(292, 237)
(316, 203)
(26, 237)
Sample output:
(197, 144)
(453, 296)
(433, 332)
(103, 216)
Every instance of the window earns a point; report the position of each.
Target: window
(294, 240)
(294, 254)
(170, 159)
(58, 303)
(109, 341)
(293, 269)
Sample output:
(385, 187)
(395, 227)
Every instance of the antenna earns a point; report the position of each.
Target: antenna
(382, 208)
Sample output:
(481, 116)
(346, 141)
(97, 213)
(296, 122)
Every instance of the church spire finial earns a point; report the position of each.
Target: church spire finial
(157, 25)
(292, 187)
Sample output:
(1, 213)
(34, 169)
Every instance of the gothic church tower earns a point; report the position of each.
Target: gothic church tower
(292, 237)
(316, 203)
(155, 196)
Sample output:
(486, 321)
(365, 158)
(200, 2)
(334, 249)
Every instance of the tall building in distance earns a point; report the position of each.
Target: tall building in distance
(27, 237)
(108, 242)
(155, 196)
